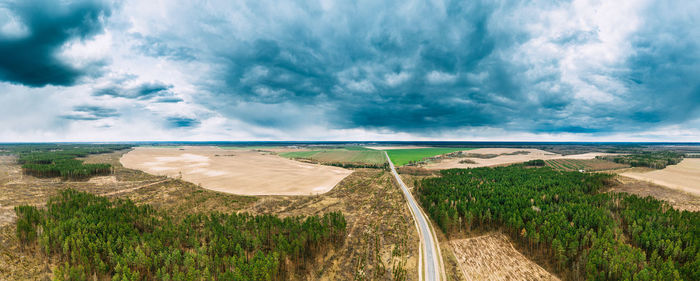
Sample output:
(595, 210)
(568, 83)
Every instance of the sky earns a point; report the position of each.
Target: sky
(132, 70)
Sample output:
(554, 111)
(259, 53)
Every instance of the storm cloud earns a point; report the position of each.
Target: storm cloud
(309, 69)
(34, 32)
(91, 113)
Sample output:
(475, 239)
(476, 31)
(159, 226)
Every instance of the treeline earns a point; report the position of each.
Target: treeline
(349, 165)
(655, 160)
(537, 163)
(46, 160)
(93, 236)
(562, 215)
(355, 165)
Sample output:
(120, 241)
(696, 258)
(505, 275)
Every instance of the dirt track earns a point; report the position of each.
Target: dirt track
(492, 257)
(685, 176)
(242, 172)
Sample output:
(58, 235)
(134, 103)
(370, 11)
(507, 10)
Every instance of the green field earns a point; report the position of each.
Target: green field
(402, 157)
(340, 155)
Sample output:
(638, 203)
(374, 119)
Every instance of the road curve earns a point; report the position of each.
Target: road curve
(430, 264)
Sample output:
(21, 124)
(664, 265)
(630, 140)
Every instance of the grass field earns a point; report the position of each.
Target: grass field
(402, 157)
(339, 155)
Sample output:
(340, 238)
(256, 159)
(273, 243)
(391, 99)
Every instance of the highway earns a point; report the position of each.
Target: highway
(430, 263)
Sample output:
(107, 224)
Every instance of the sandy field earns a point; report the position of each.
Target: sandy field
(395, 147)
(685, 176)
(505, 159)
(492, 257)
(678, 199)
(243, 172)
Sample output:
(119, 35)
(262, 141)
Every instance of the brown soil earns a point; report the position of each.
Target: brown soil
(588, 165)
(245, 172)
(493, 257)
(504, 156)
(685, 176)
(379, 222)
(678, 199)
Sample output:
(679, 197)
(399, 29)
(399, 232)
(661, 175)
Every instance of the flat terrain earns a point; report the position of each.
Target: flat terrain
(244, 172)
(404, 156)
(678, 199)
(588, 165)
(684, 176)
(339, 156)
(395, 147)
(381, 241)
(493, 257)
(504, 156)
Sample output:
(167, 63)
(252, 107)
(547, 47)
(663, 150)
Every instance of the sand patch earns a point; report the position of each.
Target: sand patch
(684, 176)
(103, 180)
(246, 172)
(505, 159)
(492, 257)
(678, 199)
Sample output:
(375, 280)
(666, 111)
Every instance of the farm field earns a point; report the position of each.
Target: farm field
(239, 172)
(684, 176)
(678, 199)
(504, 156)
(402, 157)
(388, 147)
(339, 156)
(588, 165)
(493, 257)
(381, 239)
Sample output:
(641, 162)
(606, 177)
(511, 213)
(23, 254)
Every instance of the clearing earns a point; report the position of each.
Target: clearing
(241, 172)
(684, 176)
(493, 257)
(588, 165)
(678, 199)
(404, 156)
(483, 157)
(339, 156)
(382, 240)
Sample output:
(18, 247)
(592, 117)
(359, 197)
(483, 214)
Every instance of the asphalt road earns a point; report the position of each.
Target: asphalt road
(430, 254)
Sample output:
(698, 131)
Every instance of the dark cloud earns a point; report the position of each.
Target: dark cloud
(90, 112)
(423, 67)
(31, 58)
(181, 122)
(458, 67)
(664, 71)
(145, 90)
(168, 100)
(355, 75)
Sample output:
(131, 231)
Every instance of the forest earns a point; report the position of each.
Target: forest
(118, 240)
(655, 159)
(565, 216)
(58, 160)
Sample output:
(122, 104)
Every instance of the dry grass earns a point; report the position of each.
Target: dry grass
(588, 165)
(684, 176)
(378, 219)
(493, 257)
(678, 199)
(244, 172)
